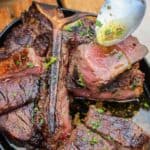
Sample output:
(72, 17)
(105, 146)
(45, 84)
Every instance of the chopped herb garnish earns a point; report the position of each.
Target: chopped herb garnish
(82, 33)
(34, 112)
(95, 125)
(119, 55)
(93, 141)
(88, 32)
(79, 23)
(41, 121)
(109, 138)
(72, 26)
(134, 84)
(98, 23)
(108, 32)
(119, 31)
(50, 62)
(68, 28)
(36, 109)
(100, 110)
(17, 62)
(30, 65)
(80, 81)
(146, 105)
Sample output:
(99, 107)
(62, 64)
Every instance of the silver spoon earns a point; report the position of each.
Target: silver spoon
(118, 19)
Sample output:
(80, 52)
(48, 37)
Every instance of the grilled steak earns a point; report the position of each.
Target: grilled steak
(121, 130)
(34, 104)
(128, 85)
(98, 65)
(17, 92)
(18, 123)
(35, 31)
(93, 68)
(22, 64)
(84, 139)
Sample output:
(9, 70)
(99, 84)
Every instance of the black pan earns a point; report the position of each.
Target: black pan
(143, 116)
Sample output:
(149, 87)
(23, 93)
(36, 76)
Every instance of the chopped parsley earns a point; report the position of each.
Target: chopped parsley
(108, 32)
(30, 65)
(80, 81)
(68, 28)
(72, 26)
(146, 105)
(109, 138)
(41, 121)
(119, 31)
(36, 109)
(17, 62)
(100, 110)
(119, 55)
(82, 33)
(134, 84)
(34, 112)
(51, 61)
(79, 23)
(95, 125)
(93, 141)
(98, 23)
(88, 32)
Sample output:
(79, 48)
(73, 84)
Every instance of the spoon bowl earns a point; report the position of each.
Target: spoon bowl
(118, 19)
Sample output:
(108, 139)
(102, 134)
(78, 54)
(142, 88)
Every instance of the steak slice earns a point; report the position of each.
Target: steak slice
(98, 65)
(84, 139)
(24, 62)
(121, 130)
(17, 124)
(34, 31)
(17, 92)
(128, 85)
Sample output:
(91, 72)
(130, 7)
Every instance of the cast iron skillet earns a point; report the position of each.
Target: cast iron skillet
(5, 143)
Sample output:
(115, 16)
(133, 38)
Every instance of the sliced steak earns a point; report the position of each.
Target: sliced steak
(98, 66)
(121, 130)
(17, 124)
(128, 85)
(34, 31)
(24, 62)
(20, 127)
(17, 92)
(93, 70)
(84, 139)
